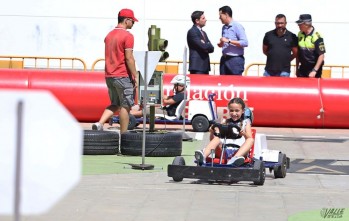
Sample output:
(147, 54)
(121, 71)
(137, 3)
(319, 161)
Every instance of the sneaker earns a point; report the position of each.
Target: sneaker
(199, 156)
(97, 126)
(236, 161)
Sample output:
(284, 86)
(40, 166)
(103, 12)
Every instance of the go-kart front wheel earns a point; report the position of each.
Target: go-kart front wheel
(200, 124)
(280, 171)
(179, 160)
(259, 165)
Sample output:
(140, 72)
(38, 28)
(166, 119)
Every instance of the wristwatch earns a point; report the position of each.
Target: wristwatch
(314, 70)
(229, 42)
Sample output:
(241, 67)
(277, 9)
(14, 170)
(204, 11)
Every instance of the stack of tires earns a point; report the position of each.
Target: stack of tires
(168, 144)
(101, 142)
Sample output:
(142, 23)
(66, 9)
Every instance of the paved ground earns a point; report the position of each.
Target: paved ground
(154, 196)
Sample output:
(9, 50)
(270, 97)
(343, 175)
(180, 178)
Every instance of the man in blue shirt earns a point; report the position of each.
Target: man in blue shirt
(232, 42)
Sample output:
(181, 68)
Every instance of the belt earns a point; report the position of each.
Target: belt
(232, 56)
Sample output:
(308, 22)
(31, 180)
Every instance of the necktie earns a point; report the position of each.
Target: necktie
(202, 33)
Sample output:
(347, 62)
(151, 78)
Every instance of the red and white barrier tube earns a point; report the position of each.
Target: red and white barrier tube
(276, 102)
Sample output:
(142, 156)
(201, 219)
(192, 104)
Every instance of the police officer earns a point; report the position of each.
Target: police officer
(311, 49)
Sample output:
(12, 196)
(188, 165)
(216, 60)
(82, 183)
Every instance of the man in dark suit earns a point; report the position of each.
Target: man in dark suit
(199, 45)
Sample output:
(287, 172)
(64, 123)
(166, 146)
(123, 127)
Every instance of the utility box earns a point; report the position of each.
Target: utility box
(154, 89)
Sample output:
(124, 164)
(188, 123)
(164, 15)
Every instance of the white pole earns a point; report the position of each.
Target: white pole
(185, 81)
(145, 97)
(18, 170)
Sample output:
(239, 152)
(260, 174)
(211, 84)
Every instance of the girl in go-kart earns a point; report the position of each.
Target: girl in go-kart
(236, 108)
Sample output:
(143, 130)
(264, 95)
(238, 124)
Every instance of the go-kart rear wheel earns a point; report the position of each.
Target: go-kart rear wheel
(280, 171)
(181, 162)
(259, 165)
(200, 124)
(132, 122)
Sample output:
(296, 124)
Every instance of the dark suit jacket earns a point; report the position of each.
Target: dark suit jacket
(199, 49)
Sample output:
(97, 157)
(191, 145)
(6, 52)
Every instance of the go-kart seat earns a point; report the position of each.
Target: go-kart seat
(178, 114)
(218, 152)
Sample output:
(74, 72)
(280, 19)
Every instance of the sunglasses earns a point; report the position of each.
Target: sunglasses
(131, 20)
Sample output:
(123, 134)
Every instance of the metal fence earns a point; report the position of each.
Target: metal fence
(253, 69)
(174, 67)
(42, 62)
(328, 71)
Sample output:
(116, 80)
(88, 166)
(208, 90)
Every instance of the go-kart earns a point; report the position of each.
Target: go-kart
(201, 115)
(215, 169)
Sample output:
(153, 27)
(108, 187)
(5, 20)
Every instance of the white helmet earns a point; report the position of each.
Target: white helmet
(179, 79)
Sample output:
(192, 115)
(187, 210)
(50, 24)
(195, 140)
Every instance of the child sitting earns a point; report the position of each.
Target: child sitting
(236, 108)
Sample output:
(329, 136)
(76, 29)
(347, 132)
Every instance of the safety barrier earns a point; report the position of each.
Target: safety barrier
(170, 67)
(96, 65)
(328, 71)
(253, 69)
(321, 101)
(41, 62)
(176, 67)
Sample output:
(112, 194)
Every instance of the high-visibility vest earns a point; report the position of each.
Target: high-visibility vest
(308, 41)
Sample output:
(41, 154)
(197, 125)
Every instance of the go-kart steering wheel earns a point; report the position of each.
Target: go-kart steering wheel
(229, 131)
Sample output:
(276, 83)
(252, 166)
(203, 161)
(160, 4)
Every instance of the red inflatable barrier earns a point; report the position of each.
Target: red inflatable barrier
(276, 102)
(83, 93)
(279, 102)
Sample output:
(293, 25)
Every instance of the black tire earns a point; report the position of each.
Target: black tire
(200, 124)
(156, 144)
(100, 142)
(132, 122)
(178, 161)
(280, 171)
(259, 165)
(100, 150)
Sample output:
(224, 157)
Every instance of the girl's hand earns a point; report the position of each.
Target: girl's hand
(223, 121)
(242, 133)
